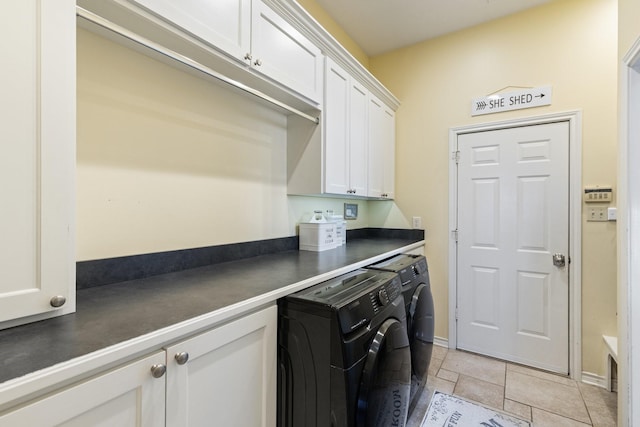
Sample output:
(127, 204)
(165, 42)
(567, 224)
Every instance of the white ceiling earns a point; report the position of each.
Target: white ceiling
(379, 26)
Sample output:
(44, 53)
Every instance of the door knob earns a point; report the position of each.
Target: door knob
(558, 260)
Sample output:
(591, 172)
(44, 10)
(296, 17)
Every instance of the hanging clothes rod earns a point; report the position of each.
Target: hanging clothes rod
(108, 25)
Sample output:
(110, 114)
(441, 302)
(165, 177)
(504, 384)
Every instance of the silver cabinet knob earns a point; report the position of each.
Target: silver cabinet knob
(57, 301)
(182, 357)
(257, 62)
(158, 370)
(247, 56)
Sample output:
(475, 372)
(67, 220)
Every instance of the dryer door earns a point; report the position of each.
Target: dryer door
(384, 394)
(421, 318)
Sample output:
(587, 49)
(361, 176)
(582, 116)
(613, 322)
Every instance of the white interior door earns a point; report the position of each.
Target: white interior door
(513, 216)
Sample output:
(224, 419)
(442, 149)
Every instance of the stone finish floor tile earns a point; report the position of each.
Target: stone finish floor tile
(434, 366)
(547, 419)
(448, 375)
(472, 365)
(541, 374)
(601, 404)
(433, 384)
(518, 409)
(483, 392)
(547, 395)
(543, 398)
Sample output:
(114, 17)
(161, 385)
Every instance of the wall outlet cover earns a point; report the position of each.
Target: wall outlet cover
(350, 211)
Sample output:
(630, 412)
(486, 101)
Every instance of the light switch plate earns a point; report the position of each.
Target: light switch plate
(597, 213)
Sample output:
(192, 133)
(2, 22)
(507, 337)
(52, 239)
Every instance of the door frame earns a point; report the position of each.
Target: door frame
(629, 237)
(574, 118)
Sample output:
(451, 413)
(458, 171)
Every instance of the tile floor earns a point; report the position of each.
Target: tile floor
(544, 399)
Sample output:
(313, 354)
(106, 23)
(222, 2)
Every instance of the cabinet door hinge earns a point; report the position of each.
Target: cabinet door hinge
(454, 235)
(456, 314)
(456, 156)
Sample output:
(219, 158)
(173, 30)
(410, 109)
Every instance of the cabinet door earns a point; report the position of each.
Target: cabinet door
(127, 396)
(229, 378)
(336, 129)
(282, 53)
(225, 24)
(37, 158)
(382, 145)
(376, 146)
(389, 150)
(358, 138)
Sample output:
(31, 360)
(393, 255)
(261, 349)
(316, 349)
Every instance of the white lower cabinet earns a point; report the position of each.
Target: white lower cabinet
(223, 377)
(126, 396)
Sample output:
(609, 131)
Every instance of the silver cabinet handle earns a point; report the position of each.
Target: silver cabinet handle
(247, 56)
(182, 357)
(57, 301)
(158, 370)
(257, 62)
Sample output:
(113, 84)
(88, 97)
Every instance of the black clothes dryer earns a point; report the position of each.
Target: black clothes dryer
(343, 353)
(416, 289)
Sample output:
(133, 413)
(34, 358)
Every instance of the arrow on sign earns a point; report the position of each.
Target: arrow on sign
(481, 105)
(540, 96)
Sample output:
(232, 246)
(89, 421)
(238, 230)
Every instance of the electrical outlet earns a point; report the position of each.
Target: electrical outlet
(597, 214)
(417, 222)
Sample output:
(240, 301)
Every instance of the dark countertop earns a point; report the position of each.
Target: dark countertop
(112, 314)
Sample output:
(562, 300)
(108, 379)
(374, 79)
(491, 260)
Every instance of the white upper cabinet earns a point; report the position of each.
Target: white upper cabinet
(354, 155)
(37, 160)
(381, 149)
(282, 53)
(223, 23)
(253, 34)
(345, 132)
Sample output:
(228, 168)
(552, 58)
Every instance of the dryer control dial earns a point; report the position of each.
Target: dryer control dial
(383, 297)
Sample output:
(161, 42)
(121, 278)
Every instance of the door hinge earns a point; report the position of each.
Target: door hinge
(456, 156)
(454, 235)
(456, 313)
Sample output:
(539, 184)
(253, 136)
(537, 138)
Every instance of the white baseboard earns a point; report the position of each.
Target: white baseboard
(442, 342)
(594, 379)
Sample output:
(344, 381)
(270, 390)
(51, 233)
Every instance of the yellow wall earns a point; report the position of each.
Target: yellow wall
(320, 15)
(628, 24)
(167, 161)
(570, 45)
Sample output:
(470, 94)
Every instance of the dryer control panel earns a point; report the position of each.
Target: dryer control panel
(374, 298)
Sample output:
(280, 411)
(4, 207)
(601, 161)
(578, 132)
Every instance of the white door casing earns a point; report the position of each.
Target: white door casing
(515, 262)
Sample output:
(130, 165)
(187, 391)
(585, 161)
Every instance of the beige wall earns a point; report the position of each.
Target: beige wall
(166, 160)
(324, 19)
(570, 45)
(628, 24)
